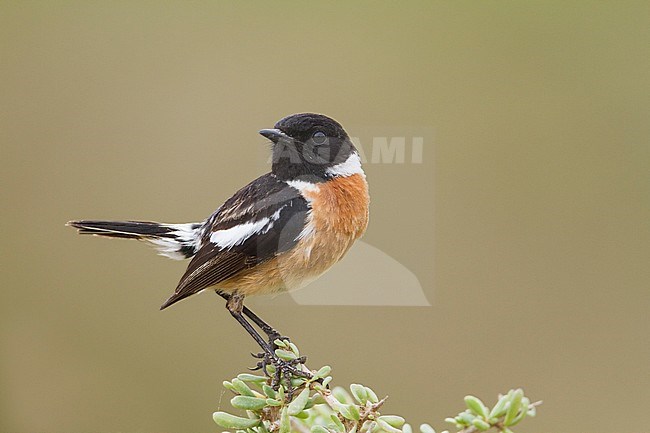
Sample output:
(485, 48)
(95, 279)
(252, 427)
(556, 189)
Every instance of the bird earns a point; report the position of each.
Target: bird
(278, 233)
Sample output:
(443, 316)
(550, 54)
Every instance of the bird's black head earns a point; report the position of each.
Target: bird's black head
(308, 147)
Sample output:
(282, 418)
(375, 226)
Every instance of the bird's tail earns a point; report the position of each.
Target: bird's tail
(176, 241)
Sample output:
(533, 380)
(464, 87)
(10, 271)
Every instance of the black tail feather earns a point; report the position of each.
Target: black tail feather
(123, 229)
(176, 241)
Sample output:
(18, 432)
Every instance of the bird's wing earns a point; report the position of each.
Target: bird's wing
(261, 220)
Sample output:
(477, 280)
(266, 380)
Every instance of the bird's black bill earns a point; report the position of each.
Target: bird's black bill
(274, 135)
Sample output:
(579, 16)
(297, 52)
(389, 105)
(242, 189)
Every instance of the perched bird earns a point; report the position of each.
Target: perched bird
(278, 233)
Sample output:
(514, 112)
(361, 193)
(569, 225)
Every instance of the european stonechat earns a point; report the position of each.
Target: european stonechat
(278, 233)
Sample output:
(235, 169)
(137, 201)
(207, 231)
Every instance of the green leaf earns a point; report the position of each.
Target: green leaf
(387, 427)
(337, 423)
(319, 429)
(406, 428)
(525, 402)
(227, 420)
(476, 405)
(323, 372)
(359, 393)
(371, 395)
(393, 420)
(270, 392)
(273, 402)
(242, 388)
(294, 349)
(246, 377)
(229, 386)
(350, 412)
(515, 406)
(248, 403)
(480, 424)
(298, 404)
(499, 409)
(426, 428)
(310, 403)
(465, 418)
(285, 421)
(341, 395)
(280, 343)
(285, 355)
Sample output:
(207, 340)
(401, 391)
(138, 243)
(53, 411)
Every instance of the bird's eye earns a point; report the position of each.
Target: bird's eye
(319, 138)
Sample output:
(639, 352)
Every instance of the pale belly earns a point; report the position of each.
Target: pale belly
(291, 270)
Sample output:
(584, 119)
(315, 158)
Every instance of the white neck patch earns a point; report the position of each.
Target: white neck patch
(303, 186)
(349, 167)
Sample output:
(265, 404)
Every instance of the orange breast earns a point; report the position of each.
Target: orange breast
(338, 217)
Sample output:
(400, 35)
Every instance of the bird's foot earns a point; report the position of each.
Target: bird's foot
(281, 370)
(276, 341)
(290, 374)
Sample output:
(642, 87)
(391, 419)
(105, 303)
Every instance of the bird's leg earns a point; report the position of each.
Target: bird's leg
(286, 369)
(265, 327)
(235, 305)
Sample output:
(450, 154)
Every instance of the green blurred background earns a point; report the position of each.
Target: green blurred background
(527, 224)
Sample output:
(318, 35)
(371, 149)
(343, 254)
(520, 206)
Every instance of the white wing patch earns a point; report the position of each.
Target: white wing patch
(238, 234)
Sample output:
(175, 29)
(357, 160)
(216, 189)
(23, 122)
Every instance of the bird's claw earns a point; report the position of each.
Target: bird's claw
(283, 369)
